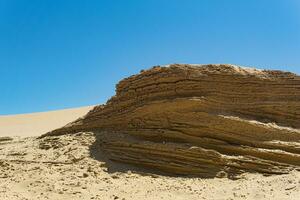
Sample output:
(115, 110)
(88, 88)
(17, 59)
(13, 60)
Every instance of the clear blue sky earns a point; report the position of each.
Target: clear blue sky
(67, 53)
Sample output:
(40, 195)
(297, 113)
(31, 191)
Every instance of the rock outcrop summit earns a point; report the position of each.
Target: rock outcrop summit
(200, 120)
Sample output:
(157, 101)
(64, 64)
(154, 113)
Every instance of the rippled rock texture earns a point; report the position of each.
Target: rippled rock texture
(201, 120)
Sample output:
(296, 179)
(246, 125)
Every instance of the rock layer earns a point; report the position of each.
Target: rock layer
(202, 120)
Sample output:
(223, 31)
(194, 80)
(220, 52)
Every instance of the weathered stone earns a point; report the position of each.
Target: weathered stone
(201, 120)
(5, 139)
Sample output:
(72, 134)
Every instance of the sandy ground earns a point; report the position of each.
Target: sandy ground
(71, 167)
(35, 124)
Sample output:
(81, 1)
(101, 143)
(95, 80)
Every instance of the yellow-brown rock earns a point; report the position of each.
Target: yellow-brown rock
(202, 120)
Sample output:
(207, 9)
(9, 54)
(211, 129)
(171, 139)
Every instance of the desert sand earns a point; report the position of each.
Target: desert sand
(69, 167)
(35, 124)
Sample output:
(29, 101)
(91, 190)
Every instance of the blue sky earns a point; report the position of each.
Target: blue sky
(67, 53)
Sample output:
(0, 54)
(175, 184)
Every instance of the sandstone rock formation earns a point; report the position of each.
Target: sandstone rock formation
(202, 120)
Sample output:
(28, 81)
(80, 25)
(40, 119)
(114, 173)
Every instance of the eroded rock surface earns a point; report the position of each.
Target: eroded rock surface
(203, 120)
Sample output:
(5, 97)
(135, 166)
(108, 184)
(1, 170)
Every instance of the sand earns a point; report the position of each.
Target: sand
(70, 167)
(35, 124)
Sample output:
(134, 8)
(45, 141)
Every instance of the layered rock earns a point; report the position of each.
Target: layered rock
(201, 120)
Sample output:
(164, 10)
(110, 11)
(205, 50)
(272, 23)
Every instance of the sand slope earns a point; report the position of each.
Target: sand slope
(35, 124)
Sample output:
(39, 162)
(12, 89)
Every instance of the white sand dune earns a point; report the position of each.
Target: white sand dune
(35, 124)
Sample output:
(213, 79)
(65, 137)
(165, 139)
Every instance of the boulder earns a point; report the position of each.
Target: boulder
(201, 120)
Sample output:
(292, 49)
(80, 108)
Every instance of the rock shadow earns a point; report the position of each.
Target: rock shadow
(97, 152)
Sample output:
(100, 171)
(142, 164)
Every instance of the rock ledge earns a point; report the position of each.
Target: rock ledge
(202, 120)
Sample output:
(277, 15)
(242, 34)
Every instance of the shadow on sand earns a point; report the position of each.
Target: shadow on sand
(97, 153)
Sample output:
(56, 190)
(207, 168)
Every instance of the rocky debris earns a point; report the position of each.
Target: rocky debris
(5, 139)
(201, 120)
